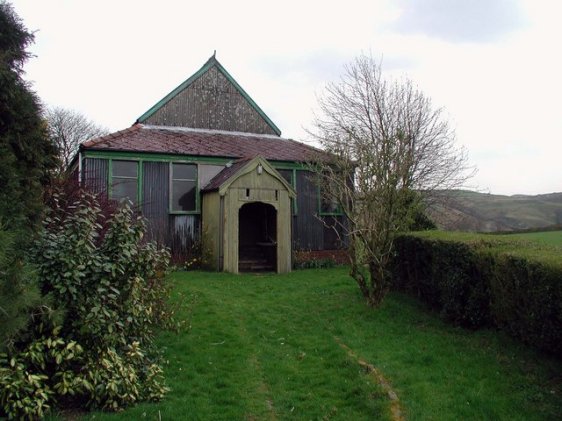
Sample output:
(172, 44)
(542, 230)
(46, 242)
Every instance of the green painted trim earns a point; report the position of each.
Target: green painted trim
(139, 180)
(155, 157)
(249, 166)
(293, 185)
(169, 187)
(295, 206)
(320, 213)
(210, 63)
(175, 91)
(109, 177)
(289, 165)
(184, 212)
(247, 97)
(163, 157)
(141, 157)
(197, 209)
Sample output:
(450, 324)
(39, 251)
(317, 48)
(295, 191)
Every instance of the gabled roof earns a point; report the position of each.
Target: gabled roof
(210, 63)
(199, 142)
(226, 177)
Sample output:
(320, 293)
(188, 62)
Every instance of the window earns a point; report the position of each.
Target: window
(183, 187)
(328, 205)
(124, 178)
(288, 175)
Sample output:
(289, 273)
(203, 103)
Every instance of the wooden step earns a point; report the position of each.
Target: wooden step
(254, 265)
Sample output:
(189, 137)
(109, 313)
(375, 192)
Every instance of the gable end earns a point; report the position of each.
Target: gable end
(210, 99)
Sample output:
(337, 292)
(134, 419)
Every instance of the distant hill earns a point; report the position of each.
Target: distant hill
(472, 211)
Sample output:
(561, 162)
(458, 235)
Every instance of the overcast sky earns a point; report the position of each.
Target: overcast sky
(494, 65)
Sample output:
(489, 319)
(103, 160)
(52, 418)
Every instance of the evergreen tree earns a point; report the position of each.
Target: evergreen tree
(27, 158)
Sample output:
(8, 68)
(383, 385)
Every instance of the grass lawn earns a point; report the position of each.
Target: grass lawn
(299, 346)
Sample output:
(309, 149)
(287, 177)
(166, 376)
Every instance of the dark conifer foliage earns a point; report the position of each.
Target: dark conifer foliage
(27, 156)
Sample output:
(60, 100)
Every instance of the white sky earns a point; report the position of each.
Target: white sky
(494, 65)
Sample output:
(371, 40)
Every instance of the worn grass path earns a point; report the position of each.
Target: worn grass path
(304, 346)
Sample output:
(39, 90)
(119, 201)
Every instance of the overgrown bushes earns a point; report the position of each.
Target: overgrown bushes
(76, 330)
(477, 281)
(19, 292)
(108, 285)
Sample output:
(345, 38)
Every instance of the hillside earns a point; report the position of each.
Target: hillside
(472, 211)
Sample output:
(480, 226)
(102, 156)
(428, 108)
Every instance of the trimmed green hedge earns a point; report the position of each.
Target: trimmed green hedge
(482, 280)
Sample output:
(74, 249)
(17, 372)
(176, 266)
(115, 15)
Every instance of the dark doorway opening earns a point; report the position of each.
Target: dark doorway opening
(257, 238)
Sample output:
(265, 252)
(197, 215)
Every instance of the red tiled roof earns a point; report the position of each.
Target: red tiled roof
(198, 142)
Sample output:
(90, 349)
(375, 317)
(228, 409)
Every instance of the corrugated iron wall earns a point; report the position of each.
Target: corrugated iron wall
(311, 232)
(179, 231)
(184, 232)
(155, 200)
(95, 173)
(308, 228)
(211, 102)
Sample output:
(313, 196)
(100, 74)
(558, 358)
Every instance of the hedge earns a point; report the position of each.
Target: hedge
(486, 281)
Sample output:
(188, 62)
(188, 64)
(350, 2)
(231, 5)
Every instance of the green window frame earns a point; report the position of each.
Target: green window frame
(327, 207)
(184, 189)
(124, 176)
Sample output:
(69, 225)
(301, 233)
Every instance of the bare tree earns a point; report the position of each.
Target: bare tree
(390, 149)
(69, 128)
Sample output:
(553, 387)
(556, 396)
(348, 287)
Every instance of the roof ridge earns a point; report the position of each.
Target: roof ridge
(201, 142)
(211, 131)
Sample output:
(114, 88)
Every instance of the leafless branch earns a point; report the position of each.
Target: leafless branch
(390, 148)
(68, 129)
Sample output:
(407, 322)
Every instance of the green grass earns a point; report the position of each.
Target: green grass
(265, 347)
(543, 247)
(553, 238)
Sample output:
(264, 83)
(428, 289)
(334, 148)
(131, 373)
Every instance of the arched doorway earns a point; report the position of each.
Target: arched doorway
(257, 237)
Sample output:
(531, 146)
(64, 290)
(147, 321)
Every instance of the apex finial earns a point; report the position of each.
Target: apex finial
(214, 53)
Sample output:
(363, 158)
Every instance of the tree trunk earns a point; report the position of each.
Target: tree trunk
(359, 276)
(380, 284)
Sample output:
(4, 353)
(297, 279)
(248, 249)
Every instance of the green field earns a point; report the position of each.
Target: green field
(303, 346)
(553, 238)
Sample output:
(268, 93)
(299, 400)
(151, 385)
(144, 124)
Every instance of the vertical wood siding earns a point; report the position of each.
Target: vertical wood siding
(95, 175)
(250, 188)
(211, 102)
(211, 234)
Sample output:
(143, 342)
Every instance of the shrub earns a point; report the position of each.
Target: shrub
(481, 281)
(526, 300)
(323, 259)
(19, 291)
(43, 372)
(326, 263)
(447, 276)
(110, 284)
